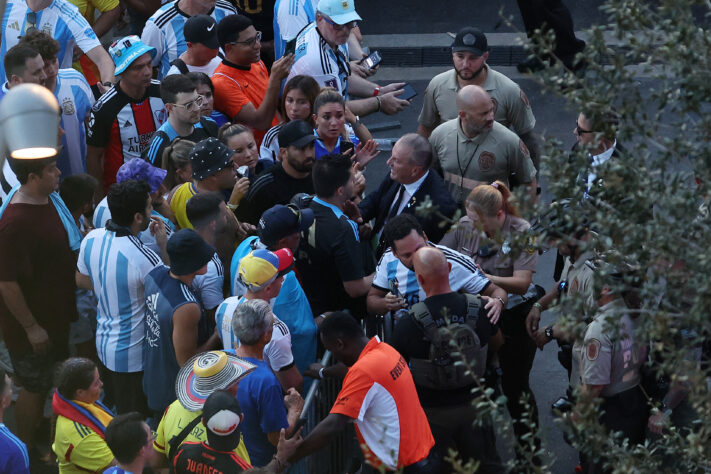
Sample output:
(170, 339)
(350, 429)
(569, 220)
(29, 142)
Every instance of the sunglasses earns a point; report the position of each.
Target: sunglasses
(193, 104)
(30, 22)
(251, 41)
(580, 130)
(337, 27)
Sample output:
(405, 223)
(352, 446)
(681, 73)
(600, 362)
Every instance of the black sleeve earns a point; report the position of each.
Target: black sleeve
(403, 336)
(347, 254)
(484, 328)
(99, 130)
(153, 153)
(210, 126)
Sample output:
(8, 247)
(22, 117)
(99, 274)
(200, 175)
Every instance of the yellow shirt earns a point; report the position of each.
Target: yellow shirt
(79, 449)
(175, 418)
(178, 202)
(87, 7)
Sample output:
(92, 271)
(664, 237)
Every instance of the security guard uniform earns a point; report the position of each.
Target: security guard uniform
(610, 356)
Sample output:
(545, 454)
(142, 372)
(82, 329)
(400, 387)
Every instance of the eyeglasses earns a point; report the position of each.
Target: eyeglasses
(580, 130)
(193, 104)
(337, 27)
(30, 22)
(251, 41)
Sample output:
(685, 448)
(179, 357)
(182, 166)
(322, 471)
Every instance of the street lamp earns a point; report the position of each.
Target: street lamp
(29, 121)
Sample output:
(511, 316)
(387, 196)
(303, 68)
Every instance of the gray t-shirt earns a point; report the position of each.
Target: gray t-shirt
(511, 106)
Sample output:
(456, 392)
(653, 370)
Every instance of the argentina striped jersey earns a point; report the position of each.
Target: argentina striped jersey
(118, 267)
(164, 31)
(464, 275)
(75, 101)
(277, 353)
(290, 17)
(61, 20)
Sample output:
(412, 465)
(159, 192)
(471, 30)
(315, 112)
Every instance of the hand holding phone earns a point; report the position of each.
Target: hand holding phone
(372, 60)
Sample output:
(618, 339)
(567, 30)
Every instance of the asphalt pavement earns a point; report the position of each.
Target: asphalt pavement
(548, 379)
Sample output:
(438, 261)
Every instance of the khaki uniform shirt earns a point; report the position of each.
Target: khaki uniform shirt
(469, 162)
(579, 276)
(465, 238)
(609, 355)
(511, 106)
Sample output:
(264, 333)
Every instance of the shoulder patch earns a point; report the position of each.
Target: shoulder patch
(592, 349)
(524, 98)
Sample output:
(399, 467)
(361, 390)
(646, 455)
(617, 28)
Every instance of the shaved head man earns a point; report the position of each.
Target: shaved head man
(476, 110)
(447, 403)
(432, 270)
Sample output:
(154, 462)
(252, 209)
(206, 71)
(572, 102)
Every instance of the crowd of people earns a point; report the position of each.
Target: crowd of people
(203, 234)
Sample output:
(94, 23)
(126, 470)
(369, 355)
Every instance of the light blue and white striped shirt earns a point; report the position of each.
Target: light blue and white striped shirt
(75, 100)
(277, 352)
(118, 267)
(61, 20)
(164, 31)
(290, 17)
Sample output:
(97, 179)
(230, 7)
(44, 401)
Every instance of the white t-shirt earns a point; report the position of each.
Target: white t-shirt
(208, 68)
(208, 287)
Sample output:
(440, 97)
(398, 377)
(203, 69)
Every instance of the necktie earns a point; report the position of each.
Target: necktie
(398, 202)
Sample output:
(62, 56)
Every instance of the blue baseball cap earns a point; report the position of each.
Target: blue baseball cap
(339, 11)
(126, 50)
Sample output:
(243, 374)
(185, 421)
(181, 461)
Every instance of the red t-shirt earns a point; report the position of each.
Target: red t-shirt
(379, 395)
(35, 252)
(237, 86)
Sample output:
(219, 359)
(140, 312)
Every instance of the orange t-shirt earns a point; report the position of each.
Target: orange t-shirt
(237, 86)
(379, 395)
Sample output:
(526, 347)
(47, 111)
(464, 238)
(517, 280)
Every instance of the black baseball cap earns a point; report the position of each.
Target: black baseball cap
(188, 252)
(222, 416)
(280, 221)
(296, 133)
(472, 40)
(202, 29)
(208, 157)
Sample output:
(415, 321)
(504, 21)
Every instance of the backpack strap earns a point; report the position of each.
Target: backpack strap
(422, 316)
(180, 64)
(178, 440)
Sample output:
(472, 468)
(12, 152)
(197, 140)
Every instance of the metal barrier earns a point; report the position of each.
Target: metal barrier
(337, 457)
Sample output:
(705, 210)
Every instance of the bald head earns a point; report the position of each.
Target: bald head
(476, 110)
(432, 270)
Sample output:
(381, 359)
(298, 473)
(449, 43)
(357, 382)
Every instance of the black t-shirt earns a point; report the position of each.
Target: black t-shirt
(199, 457)
(330, 253)
(410, 341)
(272, 187)
(163, 137)
(261, 12)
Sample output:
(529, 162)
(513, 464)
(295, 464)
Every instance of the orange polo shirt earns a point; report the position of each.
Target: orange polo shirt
(237, 86)
(379, 395)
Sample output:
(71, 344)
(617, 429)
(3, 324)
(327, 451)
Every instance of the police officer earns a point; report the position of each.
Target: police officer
(490, 207)
(609, 360)
(574, 242)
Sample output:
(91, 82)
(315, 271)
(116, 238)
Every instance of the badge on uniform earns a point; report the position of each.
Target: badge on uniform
(68, 106)
(592, 349)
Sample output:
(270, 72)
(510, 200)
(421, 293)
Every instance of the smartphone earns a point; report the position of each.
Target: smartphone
(408, 94)
(243, 171)
(373, 60)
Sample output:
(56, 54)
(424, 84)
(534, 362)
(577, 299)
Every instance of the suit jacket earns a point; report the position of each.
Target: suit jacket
(377, 204)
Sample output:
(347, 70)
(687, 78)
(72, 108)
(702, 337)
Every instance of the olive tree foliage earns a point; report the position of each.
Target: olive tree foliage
(650, 213)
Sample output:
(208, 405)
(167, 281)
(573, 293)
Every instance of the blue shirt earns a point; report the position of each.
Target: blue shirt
(260, 397)
(292, 304)
(13, 453)
(164, 295)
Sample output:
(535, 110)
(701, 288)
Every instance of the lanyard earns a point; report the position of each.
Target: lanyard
(462, 171)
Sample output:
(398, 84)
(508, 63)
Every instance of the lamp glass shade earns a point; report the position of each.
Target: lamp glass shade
(29, 122)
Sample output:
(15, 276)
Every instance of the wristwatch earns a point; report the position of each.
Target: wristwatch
(549, 332)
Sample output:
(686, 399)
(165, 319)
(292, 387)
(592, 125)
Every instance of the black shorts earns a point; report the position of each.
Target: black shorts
(35, 372)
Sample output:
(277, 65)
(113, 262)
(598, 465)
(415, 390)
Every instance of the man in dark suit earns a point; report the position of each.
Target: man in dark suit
(406, 187)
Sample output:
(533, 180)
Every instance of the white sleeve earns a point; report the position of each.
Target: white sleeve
(270, 152)
(278, 351)
(172, 70)
(81, 265)
(152, 36)
(380, 279)
(465, 276)
(81, 30)
(209, 287)
(291, 24)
